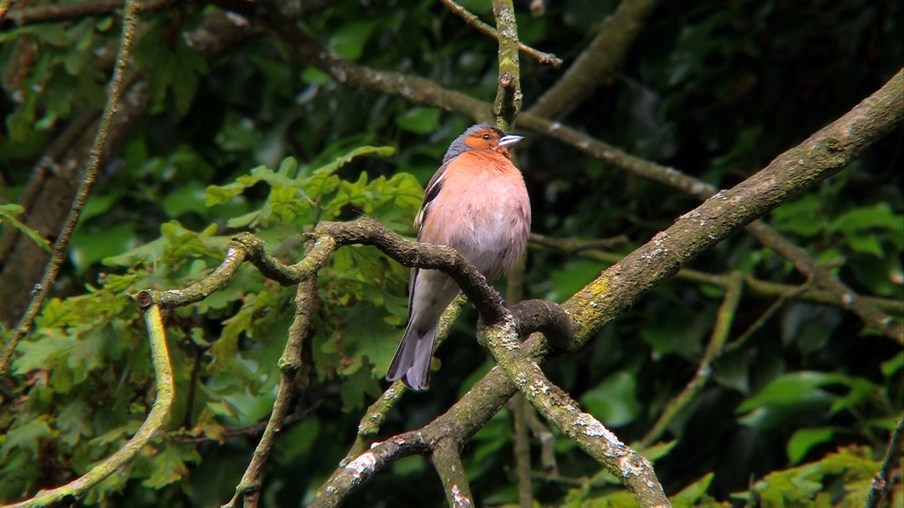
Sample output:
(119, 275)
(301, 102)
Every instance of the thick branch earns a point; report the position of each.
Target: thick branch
(560, 409)
(825, 153)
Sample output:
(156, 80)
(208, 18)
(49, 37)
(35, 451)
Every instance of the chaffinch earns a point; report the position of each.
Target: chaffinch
(476, 203)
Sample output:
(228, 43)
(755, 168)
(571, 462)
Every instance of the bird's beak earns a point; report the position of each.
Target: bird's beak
(510, 140)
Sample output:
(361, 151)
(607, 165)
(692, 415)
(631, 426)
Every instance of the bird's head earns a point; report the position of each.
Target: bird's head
(482, 137)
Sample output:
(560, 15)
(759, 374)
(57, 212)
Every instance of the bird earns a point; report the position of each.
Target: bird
(476, 203)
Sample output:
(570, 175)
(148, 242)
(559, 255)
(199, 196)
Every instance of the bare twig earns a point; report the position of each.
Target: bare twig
(60, 246)
(48, 13)
(719, 336)
(547, 443)
(882, 482)
(289, 365)
(824, 278)
(474, 21)
(761, 320)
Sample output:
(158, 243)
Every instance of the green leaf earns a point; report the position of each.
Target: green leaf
(614, 401)
(169, 466)
(690, 495)
(879, 216)
(28, 435)
(190, 198)
(223, 352)
(420, 120)
(803, 440)
(802, 216)
(348, 42)
(8, 213)
(94, 245)
(892, 366)
(790, 389)
(299, 439)
(860, 392)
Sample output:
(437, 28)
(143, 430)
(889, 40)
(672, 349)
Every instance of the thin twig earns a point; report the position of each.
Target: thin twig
(547, 442)
(724, 319)
(289, 365)
(48, 13)
(882, 482)
(760, 321)
(474, 21)
(377, 412)
(95, 156)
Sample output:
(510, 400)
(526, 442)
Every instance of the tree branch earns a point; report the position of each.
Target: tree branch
(159, 414)
(602, 57)
(446, 458)
(557, 407)
(366, 465)
(622, 284)
(589, 249)
(719, 336)
(290, 363)
(823, 154)
(508, 93)
(95, 157)
(480, 26)
(49, 13)
(882, 483)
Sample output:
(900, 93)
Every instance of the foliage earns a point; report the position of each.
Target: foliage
(798, 413)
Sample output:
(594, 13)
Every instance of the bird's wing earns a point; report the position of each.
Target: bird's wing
(432, 190)
(430, 193)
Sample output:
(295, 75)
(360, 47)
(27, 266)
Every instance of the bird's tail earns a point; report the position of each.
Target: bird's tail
(411, 362)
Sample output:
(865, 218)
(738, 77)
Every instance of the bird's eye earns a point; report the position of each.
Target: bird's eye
(487, 137)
